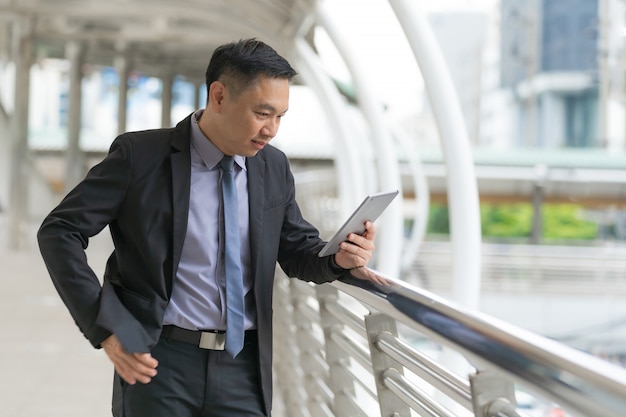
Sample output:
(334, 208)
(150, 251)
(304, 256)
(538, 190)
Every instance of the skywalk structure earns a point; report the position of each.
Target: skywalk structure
(345, 349)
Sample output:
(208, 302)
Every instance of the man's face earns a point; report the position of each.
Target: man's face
(247, 122)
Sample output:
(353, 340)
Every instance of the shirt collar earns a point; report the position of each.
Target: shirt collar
(209, 153)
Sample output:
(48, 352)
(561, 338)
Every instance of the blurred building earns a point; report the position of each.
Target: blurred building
(553, 60)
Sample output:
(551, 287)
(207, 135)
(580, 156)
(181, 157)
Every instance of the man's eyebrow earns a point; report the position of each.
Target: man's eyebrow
(270, 108)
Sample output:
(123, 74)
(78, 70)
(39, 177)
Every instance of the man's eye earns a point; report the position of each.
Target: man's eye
(262, 114)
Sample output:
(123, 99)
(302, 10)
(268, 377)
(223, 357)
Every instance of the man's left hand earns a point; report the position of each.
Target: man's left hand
(358, 249)
(356, 253)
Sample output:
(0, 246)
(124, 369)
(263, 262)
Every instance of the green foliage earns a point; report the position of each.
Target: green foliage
(506, 220)
(438, 219)
(565, 221)
(560, 221)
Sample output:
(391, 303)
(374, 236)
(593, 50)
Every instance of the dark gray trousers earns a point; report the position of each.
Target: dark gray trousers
(194, 382)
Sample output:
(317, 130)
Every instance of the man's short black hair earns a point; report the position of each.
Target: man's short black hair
(240, 64)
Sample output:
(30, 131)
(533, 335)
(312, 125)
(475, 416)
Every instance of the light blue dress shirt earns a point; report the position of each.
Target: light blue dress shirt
(198, 292)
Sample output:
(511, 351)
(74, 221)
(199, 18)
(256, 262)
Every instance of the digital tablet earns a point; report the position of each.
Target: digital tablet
(369, 210)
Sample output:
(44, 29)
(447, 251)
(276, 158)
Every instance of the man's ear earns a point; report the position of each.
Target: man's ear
(217, 92)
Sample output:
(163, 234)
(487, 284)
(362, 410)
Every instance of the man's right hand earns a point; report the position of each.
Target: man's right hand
(132, 367)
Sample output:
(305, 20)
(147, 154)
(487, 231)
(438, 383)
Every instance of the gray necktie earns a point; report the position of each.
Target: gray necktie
(232, 260)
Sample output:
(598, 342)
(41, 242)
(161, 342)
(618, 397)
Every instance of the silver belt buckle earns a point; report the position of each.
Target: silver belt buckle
(212, 341)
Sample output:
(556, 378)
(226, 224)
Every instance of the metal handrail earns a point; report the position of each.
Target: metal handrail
(435, 374)
(503, 356)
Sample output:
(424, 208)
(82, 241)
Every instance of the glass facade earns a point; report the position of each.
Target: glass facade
(569, 35)
(550, 60)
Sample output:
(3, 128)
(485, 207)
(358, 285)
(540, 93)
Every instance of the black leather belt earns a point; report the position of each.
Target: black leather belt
(204, 339)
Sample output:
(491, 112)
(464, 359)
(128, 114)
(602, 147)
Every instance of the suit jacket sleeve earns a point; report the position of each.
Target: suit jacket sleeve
(300, 243)
(65, 232)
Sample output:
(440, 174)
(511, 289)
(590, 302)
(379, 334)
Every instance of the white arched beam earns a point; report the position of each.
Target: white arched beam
(351, 184)
(390, 236)
(461, 180)
(422, 198)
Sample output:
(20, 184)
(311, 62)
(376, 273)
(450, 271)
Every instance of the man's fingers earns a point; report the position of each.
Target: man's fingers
(351, 255)
(367, 274)
(125, 371)
(365, 241)
(142, 366)
(357, 250)
(370, 231)
(132, 367)
(146, 360)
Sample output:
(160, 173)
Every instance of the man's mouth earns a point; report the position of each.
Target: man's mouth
(259, 144)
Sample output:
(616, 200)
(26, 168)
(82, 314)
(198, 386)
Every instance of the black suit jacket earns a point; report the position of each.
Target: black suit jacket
(141, 191)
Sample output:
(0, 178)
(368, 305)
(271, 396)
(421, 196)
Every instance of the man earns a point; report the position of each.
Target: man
(162, 311)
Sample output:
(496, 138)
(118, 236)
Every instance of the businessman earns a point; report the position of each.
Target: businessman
(199, 215)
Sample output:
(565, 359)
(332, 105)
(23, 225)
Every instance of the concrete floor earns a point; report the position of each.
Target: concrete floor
(48, 368)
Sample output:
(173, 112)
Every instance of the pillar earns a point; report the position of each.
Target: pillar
(123, 69)
(74, 157)
(20, 170)
(196, 96)
(541, 177)
(166, 100)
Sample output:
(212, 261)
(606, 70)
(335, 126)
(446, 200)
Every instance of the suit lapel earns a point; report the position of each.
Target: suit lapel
(256, 198)
(181, 183)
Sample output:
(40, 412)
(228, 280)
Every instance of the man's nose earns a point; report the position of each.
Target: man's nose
(271, 127)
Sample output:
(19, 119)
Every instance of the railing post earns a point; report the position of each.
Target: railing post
(288, 372)
(492, 395)
(390, 404)
(340, 379)
(313, 377)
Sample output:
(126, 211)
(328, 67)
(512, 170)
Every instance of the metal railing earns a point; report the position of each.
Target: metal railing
(520, 268)
(355, 348)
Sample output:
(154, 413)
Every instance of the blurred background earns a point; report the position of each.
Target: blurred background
(541, 90)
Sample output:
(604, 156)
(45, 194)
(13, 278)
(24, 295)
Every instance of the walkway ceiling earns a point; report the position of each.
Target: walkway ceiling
(156, 35)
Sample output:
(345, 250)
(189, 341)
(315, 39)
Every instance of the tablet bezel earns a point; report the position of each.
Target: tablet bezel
(370, 208)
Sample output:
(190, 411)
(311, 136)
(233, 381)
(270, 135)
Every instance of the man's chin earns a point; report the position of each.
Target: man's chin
(251, 153)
